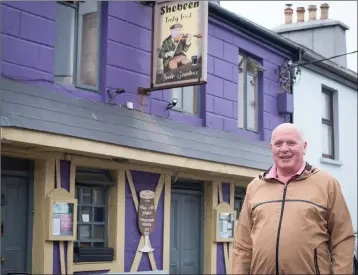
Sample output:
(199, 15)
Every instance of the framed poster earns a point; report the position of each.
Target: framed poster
(179, 43)
(62, 216)
(225, 223)
(62, 219)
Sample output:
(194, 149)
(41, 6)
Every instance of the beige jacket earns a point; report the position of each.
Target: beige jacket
(287, 229)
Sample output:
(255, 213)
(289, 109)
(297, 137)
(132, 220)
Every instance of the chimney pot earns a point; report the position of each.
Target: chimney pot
(324, 11)
(312, 9)
(300, 14)
(288, 14)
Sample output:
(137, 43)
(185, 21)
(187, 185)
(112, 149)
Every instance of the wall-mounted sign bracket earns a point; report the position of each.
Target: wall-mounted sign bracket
(147, 91)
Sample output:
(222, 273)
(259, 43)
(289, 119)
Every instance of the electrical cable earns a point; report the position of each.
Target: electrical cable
(324, 59)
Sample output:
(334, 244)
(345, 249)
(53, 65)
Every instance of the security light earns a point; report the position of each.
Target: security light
(172, 104)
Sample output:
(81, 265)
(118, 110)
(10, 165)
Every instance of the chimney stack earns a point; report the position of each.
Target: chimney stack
(300, 14)
(288, 14)
(324, 11)
(312, 12)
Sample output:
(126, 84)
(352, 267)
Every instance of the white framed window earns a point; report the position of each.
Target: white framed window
(77, 43)
(328, 136)
(188, 99)
(248, 99)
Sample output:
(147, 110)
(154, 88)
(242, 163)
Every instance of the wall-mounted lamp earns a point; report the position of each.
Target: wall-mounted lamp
(112, 93)
(288, 73)
(172, 104)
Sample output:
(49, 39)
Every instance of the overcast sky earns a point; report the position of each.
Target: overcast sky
(271, 14)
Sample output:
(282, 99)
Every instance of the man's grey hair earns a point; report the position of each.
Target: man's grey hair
(292, 126)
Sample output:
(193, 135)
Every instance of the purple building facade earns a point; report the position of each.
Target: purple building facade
(240, 54)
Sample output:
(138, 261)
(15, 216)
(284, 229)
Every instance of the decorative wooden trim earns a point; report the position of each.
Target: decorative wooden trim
(232, 204)
(83, 146)
(166, 231)
(96, 162)
(32, 153)
(225, 245)
(158, 191)
(210, 252)
(96, 266)
(62, 258)
(70, 244)
(121, 218)
(42, 251)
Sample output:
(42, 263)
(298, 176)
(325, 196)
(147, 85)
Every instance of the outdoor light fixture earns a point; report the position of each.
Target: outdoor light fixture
(112, 93)
(288, 73)
(171, 105)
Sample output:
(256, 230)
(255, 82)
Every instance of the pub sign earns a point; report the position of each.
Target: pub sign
(179, 46)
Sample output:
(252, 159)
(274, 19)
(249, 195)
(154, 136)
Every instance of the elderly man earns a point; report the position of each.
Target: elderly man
(294, 219)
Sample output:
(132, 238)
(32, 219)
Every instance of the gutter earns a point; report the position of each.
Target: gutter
(349, 77)
(253, 29)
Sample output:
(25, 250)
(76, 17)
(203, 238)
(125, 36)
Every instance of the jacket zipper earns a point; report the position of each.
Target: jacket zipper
(280, 221)
(316, 262)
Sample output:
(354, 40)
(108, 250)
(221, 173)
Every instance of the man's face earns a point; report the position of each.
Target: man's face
(175, 32)
(288, 149)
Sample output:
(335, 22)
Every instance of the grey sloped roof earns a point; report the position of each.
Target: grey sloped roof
(25, 105)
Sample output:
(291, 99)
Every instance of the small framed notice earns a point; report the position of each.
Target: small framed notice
(62, 216)
(225, 222)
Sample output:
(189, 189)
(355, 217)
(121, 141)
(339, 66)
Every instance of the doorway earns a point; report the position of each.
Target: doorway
(16, 215)
(186, 228)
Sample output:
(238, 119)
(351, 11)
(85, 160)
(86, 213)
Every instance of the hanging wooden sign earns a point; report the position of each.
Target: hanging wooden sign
(146, 217)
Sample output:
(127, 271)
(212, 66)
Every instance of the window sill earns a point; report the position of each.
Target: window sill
(331, 162)
(95, 266)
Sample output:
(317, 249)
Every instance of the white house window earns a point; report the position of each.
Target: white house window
(327, 124)
(77, 43)
(188, 99)
(249, 69)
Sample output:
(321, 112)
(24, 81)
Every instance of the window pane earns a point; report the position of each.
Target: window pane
(85, 244)
(326, 106)
(65, 43)
(188, 100)
(98, 244)
(98, 232)
(327, 146)
(251, 101)
(241, 103)
(88, 43)
(177, 93)
(86, 214)
(84, 232)
(98, 197)
(241, 63)
(86, 196)
(98, 214)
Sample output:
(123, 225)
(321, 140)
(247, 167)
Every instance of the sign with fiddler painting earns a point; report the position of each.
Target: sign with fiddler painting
(179, 54)
(146, 217)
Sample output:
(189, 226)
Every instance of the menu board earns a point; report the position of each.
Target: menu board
(146, 212)
(226, 225)
(62, 221)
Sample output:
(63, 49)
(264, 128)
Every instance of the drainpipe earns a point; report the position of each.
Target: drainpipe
(300, 54)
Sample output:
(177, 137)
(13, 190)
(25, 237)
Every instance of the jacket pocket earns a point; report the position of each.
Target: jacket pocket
(315, 258)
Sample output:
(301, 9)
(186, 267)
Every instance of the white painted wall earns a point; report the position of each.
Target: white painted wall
(307, 116)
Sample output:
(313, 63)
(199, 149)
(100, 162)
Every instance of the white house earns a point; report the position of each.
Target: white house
(325, 98)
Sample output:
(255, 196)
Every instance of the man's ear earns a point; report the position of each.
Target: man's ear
(304, 147)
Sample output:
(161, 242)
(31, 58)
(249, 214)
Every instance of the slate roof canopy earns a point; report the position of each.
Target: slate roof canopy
(28, 106)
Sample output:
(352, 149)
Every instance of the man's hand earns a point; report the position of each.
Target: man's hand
(169, 54)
